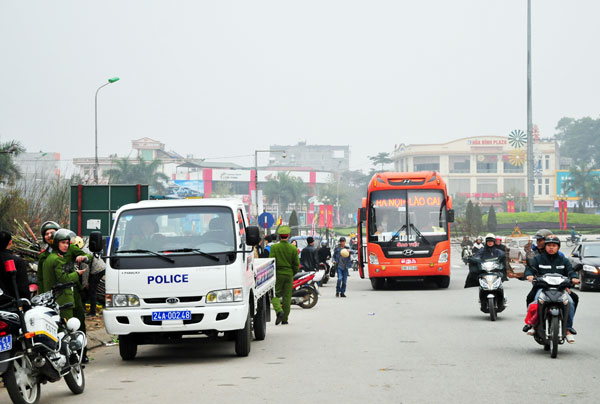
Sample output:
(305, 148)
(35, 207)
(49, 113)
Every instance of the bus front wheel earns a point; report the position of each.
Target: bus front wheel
(443, 282)
(377, 283)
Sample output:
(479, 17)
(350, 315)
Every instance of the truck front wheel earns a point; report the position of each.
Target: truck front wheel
(243, 338)
(259, 323)
(127, 347)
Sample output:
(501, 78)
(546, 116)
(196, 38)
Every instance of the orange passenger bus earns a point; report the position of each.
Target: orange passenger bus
(403, 228)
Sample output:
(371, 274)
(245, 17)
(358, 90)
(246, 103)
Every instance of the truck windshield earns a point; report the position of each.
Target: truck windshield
(408, 216)
(176, 230)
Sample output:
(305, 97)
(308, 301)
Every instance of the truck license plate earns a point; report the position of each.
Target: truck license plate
(409, 267)
(6, 343)
(171, 315)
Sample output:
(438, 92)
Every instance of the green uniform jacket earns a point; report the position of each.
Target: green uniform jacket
(40, 269)
(286, 257)
(57, 270)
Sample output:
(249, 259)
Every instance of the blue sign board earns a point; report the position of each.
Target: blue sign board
(266, 216)
(562, 182)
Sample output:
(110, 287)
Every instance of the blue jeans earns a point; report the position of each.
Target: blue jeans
(571, 315)
(342, 274)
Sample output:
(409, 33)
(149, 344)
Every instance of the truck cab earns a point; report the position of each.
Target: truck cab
(185, 267)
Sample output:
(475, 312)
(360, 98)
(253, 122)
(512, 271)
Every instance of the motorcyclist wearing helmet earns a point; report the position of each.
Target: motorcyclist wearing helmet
(550, 261)
(48, 229)
(488, 252)
(478, 245)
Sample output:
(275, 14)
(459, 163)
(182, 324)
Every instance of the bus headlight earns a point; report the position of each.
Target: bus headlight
(443, 257)
(373, 259)
(225, 296)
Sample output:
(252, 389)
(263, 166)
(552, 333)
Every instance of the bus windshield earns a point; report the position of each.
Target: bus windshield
(408, 215)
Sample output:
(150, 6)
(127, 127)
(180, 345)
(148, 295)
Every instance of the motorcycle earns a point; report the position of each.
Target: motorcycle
(491, 291)
(354, 258)
(305, 289)
(323, 266)
(466, 253)
(37, 346)
(553, 311)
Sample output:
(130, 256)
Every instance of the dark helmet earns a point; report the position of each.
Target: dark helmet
(49, 225)
(60, 235)
(552, 239)
(542, 233)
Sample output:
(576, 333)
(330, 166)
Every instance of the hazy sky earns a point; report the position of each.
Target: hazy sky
(223, 78)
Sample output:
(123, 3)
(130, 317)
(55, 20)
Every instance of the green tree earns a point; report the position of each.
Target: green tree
(579, 139)
(477, 219)
(584, 182)
(222, 189)
(459, 204)
(469, 227)
(140, 172)
(293, 223)
(381, 158)
(492, 223)
(285, 190)
(9, 171)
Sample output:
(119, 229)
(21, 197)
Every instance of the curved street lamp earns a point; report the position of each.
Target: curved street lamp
(110, 81)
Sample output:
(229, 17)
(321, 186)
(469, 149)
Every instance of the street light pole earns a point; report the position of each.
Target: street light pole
(110, 81)
(530, 162)
(256, 178)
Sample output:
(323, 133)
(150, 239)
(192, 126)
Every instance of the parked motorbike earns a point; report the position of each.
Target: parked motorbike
(37, 346)
(491, 291)
(553, 311)
(466, 253)
(305, 289)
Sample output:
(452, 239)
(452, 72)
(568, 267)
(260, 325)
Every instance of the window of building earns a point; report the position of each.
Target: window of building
(460, 164)
(426, 163)
(459, 186)
(539, 186)
(509, 168)
(487, 185)
(514, 186)
(547, 185)
(487, 163)
(547, 161)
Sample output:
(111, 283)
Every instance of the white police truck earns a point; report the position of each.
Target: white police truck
(180, 268)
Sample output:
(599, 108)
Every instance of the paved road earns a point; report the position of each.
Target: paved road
(421, 345)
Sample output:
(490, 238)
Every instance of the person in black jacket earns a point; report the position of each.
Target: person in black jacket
(548, 262)
(489, 251)
(5, 278)
(308, 257)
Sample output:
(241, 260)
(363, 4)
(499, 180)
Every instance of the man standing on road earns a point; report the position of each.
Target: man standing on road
(308, 256)
(341, 261)
(286, 266)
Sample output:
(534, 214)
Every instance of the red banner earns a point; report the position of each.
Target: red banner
(310, 216)
(565, 211)
(321, 215)
(330, 216)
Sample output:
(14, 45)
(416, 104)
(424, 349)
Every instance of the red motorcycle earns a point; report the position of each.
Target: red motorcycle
(304, 290)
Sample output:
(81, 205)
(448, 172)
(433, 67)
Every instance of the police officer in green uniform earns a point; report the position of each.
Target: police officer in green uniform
(286, 266)
(59, 267)
(48, 229)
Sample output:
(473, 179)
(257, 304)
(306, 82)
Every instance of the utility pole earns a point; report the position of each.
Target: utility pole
(530, 162)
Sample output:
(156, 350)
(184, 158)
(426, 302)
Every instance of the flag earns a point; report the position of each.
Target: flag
(279, 221)
(565, 210)
(321, 215)
(330, 216)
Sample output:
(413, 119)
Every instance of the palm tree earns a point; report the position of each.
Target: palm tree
(140, 172)
(381, 158)
(9, 171)
(285, 190)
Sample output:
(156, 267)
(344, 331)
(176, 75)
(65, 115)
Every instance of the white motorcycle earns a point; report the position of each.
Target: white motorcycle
(36, 346)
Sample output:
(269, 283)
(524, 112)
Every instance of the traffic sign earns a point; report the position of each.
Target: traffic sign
(266, 217)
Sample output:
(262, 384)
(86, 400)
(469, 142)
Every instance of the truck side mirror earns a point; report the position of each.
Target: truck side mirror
(362, 214)
(96, 242)
(450, 215)
(252, 235)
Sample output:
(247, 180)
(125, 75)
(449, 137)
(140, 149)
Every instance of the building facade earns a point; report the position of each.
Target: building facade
(486, 169)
